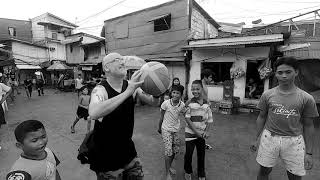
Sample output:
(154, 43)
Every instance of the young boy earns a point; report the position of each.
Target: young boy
(198, 117)
(37, 162)
(285, 124)
(169, 126)
(82, 111)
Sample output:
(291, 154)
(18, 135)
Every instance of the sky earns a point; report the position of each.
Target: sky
(90, 15)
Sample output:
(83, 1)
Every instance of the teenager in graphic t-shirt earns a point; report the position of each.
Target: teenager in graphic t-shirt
(285, 124)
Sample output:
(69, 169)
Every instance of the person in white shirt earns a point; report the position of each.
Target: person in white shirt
(4, 93)
(78, 83)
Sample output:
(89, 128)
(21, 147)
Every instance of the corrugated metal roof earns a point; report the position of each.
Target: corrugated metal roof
(234, 41)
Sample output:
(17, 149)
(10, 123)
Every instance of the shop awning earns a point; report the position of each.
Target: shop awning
(234, 41)
(27, 66)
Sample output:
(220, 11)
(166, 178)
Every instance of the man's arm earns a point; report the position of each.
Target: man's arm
(261, 120)
(6, 95)
(100, 106)
(147, 98)
(308, 133)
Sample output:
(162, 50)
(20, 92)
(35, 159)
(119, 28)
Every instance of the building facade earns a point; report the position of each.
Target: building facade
(158, 34)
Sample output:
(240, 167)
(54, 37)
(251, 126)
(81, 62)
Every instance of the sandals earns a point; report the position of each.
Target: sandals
(72, 130)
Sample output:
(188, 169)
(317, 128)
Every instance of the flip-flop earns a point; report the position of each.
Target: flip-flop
(72, 130)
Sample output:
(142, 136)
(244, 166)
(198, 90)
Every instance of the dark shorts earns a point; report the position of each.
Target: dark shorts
(2, 118)
(133, 171)
(82, 113)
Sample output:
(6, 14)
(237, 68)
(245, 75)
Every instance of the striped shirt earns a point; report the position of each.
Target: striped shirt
(199, 115)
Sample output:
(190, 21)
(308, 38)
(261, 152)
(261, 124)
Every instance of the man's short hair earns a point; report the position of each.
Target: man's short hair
(26, 127)
(110, 57)
(206, 73)
(290, 61)
(179, 88)
(198, 82)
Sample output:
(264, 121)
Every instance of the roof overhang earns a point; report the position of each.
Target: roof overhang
(55, 24)
(235, 41)
(27, 66)
(294, 46)
(167, 59)
(71, 40)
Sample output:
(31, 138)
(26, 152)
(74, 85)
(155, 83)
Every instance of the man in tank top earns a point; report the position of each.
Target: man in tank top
(112, 102)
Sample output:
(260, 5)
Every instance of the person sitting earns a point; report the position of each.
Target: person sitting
(252, 88)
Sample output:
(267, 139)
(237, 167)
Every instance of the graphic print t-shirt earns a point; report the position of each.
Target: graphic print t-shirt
(286, 111)
(25, 168)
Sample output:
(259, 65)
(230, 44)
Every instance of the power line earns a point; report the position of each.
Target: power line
(271, 14)
(86, 19)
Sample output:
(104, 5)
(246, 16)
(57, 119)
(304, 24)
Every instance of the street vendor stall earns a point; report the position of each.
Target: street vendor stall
(65, 81)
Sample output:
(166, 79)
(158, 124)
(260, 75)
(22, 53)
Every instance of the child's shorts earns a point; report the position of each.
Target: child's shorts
(82, 113)
(171, 142)
(290, 150)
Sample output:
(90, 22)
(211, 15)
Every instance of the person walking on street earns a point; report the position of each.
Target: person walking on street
(5, 91)
(82, 111)
(28, 87)
(285, 124)
(78, 84)
(39, 86)
(112, 106)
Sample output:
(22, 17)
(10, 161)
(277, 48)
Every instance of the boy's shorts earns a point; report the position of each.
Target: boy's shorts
(289, 149)
(82, 113)
(171, 142)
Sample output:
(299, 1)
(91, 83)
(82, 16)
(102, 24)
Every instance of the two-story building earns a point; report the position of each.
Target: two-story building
(19, 55)
(49, 30)
(86, 52)
(158, 33)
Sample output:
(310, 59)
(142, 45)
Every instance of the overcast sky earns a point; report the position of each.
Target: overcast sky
(76, 11)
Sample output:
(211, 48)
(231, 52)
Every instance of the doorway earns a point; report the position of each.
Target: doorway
(254, 85)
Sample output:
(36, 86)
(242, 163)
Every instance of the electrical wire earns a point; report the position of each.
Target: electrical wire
(96, 14)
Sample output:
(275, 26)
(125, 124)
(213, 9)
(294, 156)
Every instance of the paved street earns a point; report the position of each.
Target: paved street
(229, 160)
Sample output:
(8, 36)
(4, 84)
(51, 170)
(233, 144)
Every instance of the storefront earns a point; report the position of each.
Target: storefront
(238, 59)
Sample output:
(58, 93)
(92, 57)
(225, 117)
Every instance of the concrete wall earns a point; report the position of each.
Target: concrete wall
(59, 53)
(23, 29)
(200, 26)
(225, 55)
(77, 54)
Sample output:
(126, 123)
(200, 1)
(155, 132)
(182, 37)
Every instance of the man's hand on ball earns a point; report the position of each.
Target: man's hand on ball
(136, 76)
(134, 82)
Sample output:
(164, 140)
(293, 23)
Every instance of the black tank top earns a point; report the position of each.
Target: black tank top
(114, 147)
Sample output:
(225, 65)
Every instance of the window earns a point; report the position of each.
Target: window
(54, 36)
(71, 48)
(221, 70)
(162, 23)
(12, 31)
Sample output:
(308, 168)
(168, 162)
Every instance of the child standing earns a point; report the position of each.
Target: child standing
(198, 117)
(37, 162)
(82, 112)
(169, 126)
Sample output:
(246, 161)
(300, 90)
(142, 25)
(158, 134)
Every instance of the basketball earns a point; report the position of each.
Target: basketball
(156, 78)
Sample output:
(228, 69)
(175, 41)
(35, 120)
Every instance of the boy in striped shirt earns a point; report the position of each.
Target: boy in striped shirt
(198, 117)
